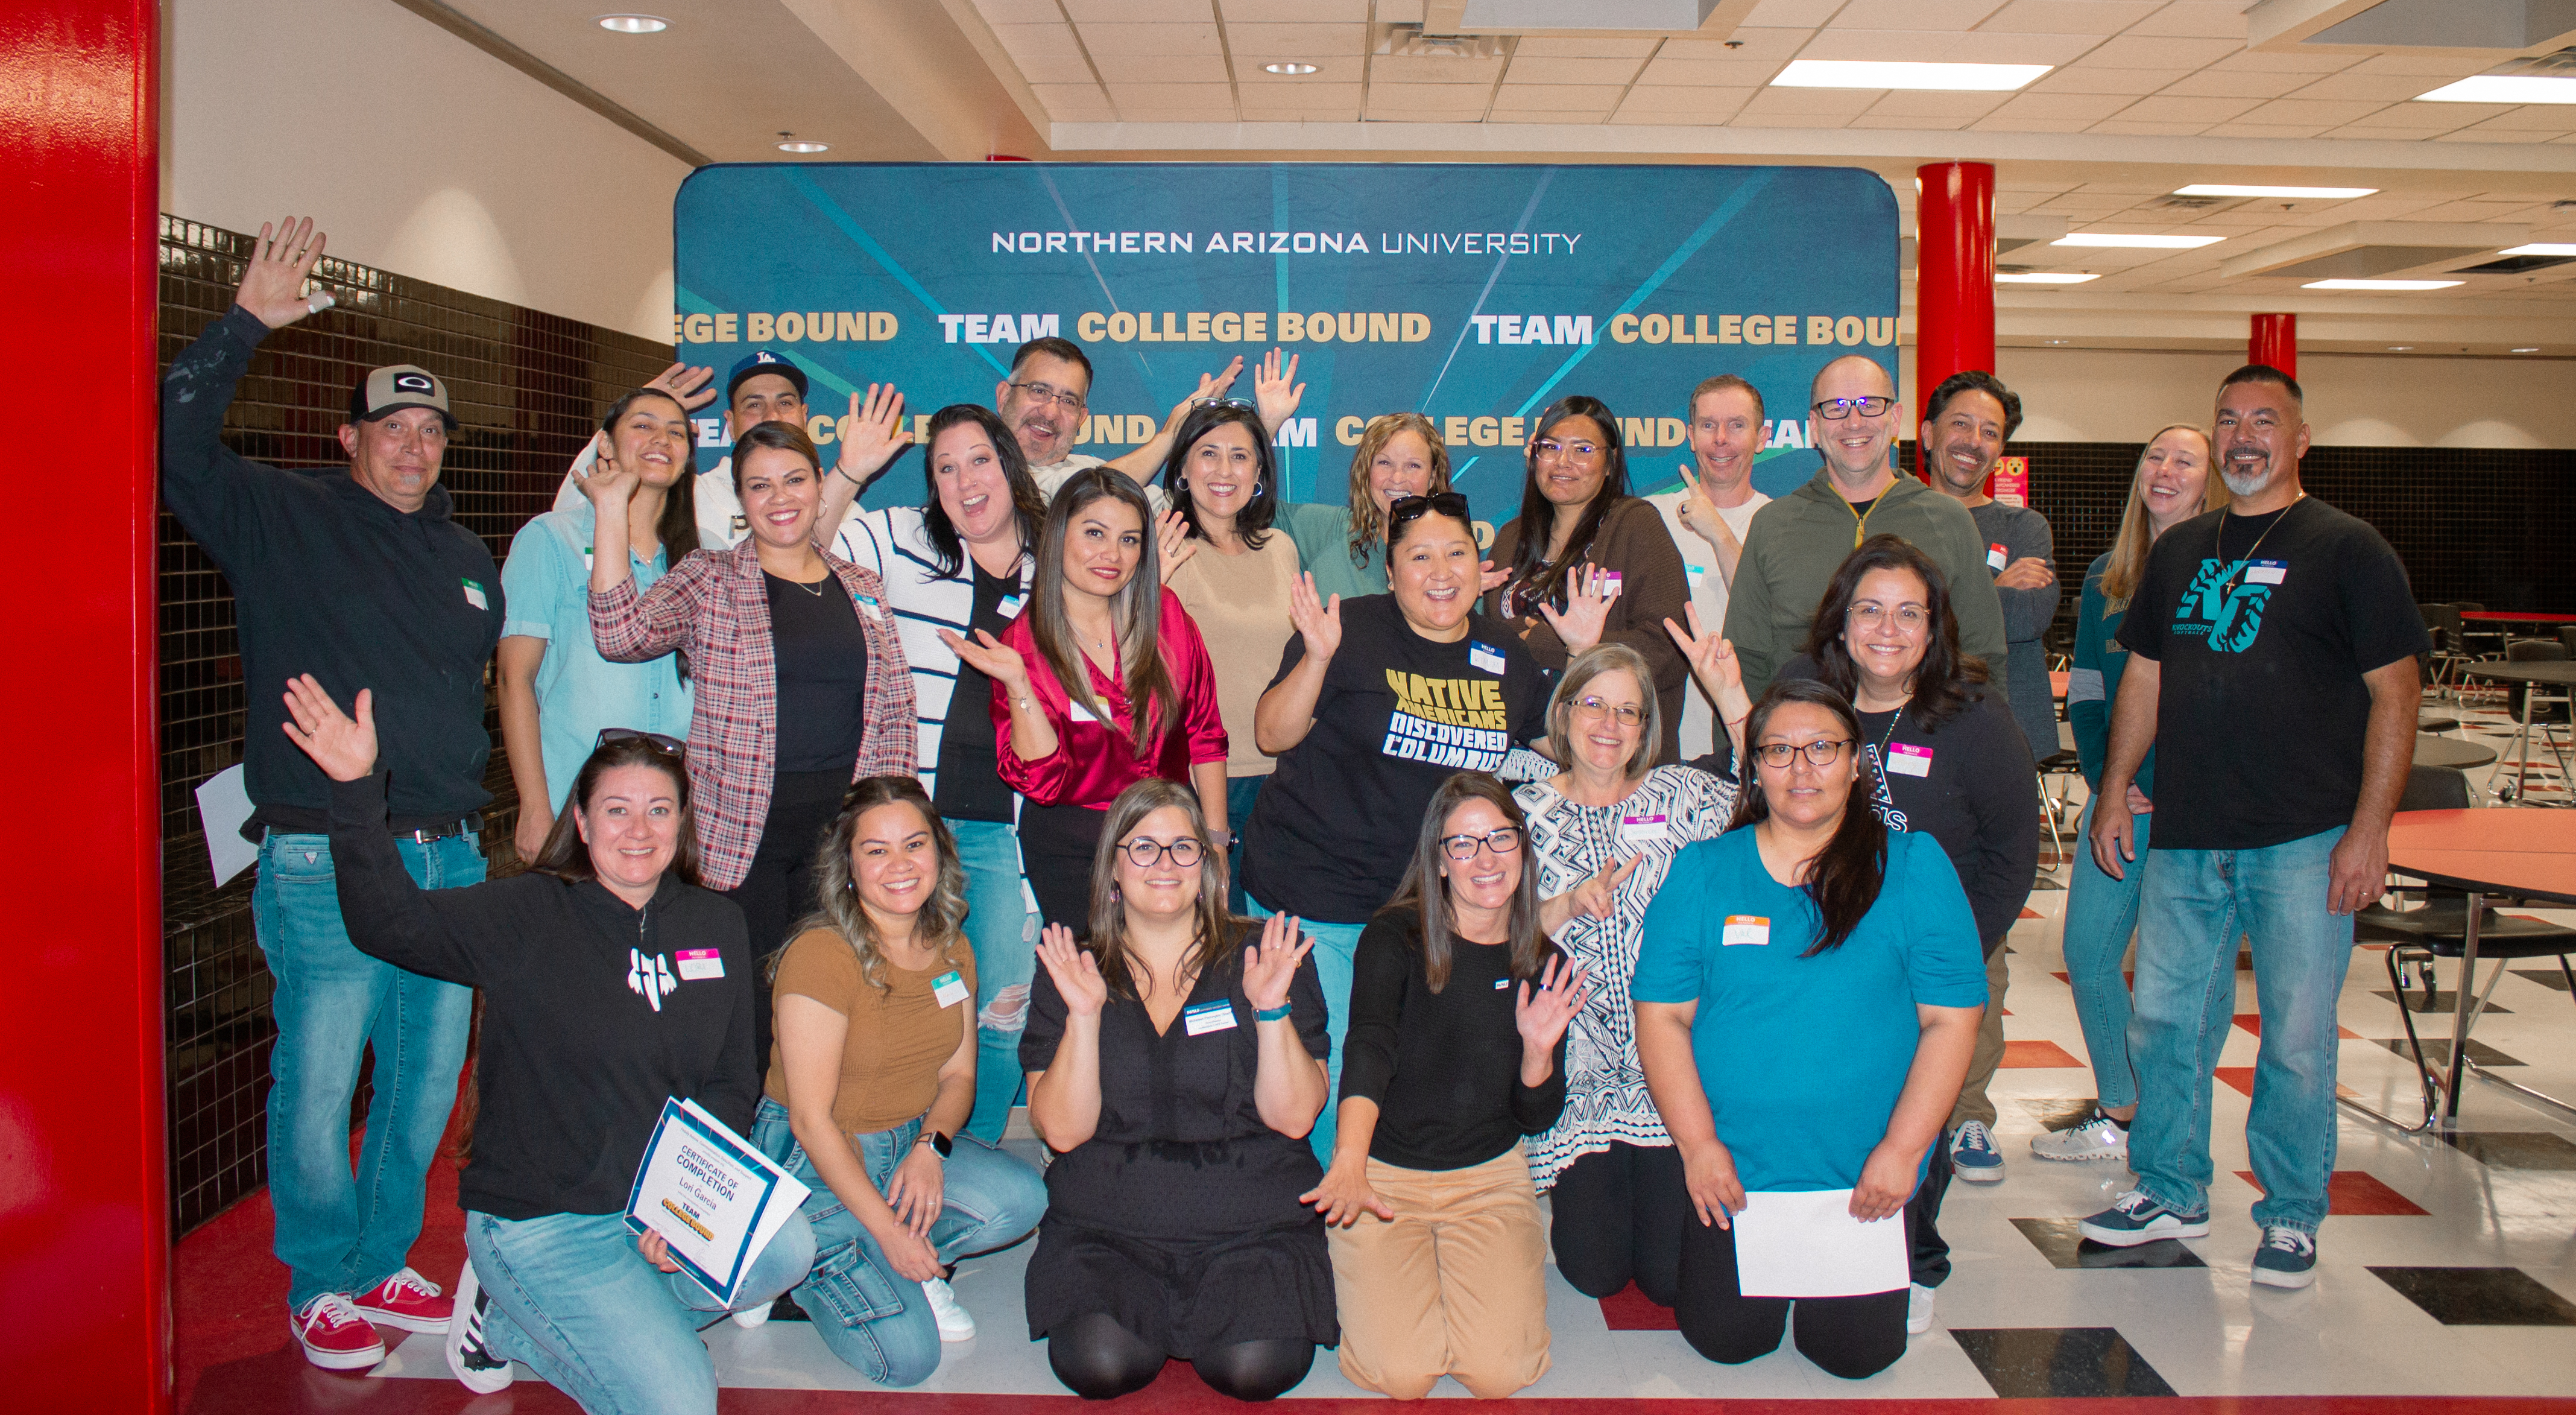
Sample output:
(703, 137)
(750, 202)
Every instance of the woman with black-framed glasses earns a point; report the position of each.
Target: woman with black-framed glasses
(1375, 702)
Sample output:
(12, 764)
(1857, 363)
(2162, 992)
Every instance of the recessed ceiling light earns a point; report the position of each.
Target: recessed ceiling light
(1288, 68)
(2226, 189)
(802, 145)
(2401, 348)
(2543, 248)
(2534, 349)
(2504, 88)
(634, 24)
(2144, 243)
(2381, 284)
(2052, 341)
(2044, 277)
(1873, 73)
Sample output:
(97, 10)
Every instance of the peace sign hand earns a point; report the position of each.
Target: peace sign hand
(1588, 593)
(1271, 966)
(1075, 971)
(272, 287)
(1595, 895)
(345, 748)
(1713, 662)
(1542, 1018)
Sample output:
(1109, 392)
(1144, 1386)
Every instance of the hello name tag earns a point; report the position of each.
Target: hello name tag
(949, 988)
(874, 610)
(1076, 712)
(1695, 574)
(474, 595)
(1742, 929)
(1609, 584)
(2266, 572)
(1997, 557)
(699, 965)
(1010, 606)
(1643, 830)
(1485, 657)
(1501, 983)
(1906, 760)
(1208, 1017)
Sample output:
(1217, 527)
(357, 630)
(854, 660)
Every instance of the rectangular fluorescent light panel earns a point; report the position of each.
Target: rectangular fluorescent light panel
(1873, 73)
(2044, 277)
(2381, 284)
(2542, 248)
(2504, 88)
(2144, 243)
(2229, 189)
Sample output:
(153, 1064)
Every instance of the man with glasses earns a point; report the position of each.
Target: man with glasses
(1971, 417)
(1047, 396)
(1797, 542)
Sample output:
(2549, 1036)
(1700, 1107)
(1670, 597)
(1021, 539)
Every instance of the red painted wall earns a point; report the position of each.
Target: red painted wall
(84, 1232)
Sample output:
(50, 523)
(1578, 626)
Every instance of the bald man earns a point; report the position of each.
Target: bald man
(1797, 542)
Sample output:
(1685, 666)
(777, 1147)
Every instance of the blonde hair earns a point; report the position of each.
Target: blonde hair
(2129, 550)
(1368, 526)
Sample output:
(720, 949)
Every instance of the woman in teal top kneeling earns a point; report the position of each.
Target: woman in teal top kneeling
(1807, 997)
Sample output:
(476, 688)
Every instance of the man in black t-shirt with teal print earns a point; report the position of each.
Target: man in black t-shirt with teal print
(2272, 663)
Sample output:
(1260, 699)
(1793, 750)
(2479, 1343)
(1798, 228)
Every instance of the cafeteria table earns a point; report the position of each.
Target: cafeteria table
(2515, 616)
(2529, 852)
(2450, 752)
(2559, 674)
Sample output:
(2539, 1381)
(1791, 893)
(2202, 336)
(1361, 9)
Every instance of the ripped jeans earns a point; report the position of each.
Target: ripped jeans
(1002, 928)
(876, 1321)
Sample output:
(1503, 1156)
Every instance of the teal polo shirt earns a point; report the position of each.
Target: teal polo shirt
(546, 584)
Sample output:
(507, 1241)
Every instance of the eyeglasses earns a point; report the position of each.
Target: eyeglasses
(1909, 617)
(1777, 754)
(1413, 508)
(1592, 708)
(1144, 854)
(668, 746)
(1836, 409)
(1462, 848)
(1579, 451)
(1048, 393)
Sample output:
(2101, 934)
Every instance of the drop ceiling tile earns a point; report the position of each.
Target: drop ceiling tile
(2441, 117)
(1946, 46)
(2237, 83)
(2014, 123)
(1819, 102)
(2162, 53)
(2259, 61)
(1054, 69)
(1312, 43)
(1073, 103)
(1166, 97)
(2432, 66)
(1118, 69)
(1748, 44)
(2473, 211)
(1020, 12)
(2002, 47)
(1316, 11)
(1153, 41)
(1805, 14)
(1558, 98)
(1885, 123)
(2204, 111)
(1541, 46)
(1420, 69)
(2196, 19)
(2136, 190)
(1249, 73)
(2088, 205)
(2078, 108)
(1284, 97)
(2327, 111)
(1140, 12)
(2099, 17)
(2486, 133)
(1913, 14)
(2557, 117)
(1750, 119)
(2261, 130)
(1648, 103)
(1504, 114)
(2352, 83)
(1526, 70)
(1959, 108)
(2093, 78)
(1446, 99)
(1038, 41)
(1720, 73)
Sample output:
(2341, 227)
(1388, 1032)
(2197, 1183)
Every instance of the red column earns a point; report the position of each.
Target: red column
(85, 1245)
(2274, 339)
(1954, 279)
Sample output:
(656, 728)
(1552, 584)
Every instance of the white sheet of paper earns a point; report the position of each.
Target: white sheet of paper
(1809, 1245)
(223, 803)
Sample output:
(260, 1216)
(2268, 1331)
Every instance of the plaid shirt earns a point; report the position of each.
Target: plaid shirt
(715, 605)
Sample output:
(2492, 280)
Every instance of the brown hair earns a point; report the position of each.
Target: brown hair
(1153, 702)
(778, 437)
(566, 856)
(1211, 948)
(1714, 382)
(2129, 549)
(1028, 508)
(1368, 529)
(1941, 681)
(942, 920)
(1426, 892)
(1591, 664)
(1845, 877)
(677, 529)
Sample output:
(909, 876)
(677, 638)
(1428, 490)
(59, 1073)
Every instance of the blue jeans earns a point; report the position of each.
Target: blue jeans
(336, 1232)
(1334, 946)
(1001, 928)
(1240, 793)
(2101, 912)
(2191, 909)
(876, 1321)
(574, 1301)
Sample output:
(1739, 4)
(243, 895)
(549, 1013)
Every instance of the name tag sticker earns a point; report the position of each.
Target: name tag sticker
(474, 595)
(1485, 657)
(698, 965)
(1742, 929)
(1010, 606)
(868, 604)
(1208, 1017)
(1905, 760)
(1639, 830)
(585, 557)
(1997, 557)
(949, 988)
(1501, 983)
(1075, 711)
(2266, 572)
(1609, 584)
(1695, 574)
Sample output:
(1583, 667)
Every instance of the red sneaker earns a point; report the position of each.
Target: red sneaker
(334, 1336)
(406, 1300)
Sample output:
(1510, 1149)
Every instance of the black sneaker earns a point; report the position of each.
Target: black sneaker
(469, 1357)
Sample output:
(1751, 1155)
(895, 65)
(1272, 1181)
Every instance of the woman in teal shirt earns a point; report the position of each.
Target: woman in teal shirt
(1807, 998)
(2172, 485)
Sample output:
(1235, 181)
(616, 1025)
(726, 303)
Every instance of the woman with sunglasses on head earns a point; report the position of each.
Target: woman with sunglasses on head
(1577, 522)
(610, 982)
(1344, 547)
(1234, 582)
(801, 686)
(1376, 701)
(1603, 834)
(1457, 1049)
(1176, 1061)
(871, 1084)
(1101, 683)
(2174, 483)
(1807, 998)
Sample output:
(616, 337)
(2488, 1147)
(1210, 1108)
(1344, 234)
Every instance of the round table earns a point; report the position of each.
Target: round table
(2528, 851)
(2559, 674)
(2450, 752)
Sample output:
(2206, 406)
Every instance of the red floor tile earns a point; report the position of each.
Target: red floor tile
(2038, 1054)
(2357, 1193)
(1630, 1310)
(2241, 1080)
(2253, 1022)
(2030, 913)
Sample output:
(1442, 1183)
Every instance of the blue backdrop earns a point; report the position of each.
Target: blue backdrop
(1473, 294)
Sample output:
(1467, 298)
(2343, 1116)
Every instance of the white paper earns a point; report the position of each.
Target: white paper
(712, 1197)
(223, 803)
(1809, 1245)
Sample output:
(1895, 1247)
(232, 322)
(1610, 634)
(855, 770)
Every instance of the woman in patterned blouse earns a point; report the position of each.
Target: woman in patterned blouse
(1605, 830)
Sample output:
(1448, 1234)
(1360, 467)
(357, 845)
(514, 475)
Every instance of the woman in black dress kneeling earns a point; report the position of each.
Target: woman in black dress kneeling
(1176, 1080)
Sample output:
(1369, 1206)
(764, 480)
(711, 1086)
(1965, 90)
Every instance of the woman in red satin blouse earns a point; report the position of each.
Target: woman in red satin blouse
(1102, 682)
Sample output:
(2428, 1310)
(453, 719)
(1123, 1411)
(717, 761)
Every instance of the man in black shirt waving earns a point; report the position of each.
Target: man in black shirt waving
(2272, 660)
(359, 578)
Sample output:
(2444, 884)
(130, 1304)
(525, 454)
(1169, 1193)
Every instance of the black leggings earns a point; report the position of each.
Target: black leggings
(1057, 844)
(1850, 1337)
(1617, 1219)
(1098, 1359)
(1931, 1256)
(779, 890)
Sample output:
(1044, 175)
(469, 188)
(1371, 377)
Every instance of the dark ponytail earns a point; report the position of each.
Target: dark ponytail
(1844, 878)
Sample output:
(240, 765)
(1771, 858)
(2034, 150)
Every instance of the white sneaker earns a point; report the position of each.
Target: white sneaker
(469, 1352)
(955, 1324)
(2098, 1138)
(1918, 1309)
(756, 1315)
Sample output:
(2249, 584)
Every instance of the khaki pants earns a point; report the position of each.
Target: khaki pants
(1989, 1054)
(1455, 1286)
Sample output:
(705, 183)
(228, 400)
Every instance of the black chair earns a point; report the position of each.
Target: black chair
(2062, 814)
(2567, 636)
(2552, 704)
(2481, 640)
(2442, 666)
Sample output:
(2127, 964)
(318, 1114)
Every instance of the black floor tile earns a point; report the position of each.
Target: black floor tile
(2437, 1050)
(2033, 1363)
(2065, 1246)
(2059, 1114)
(2515, 1149)
(2547, 977)
(2480, 1297)
(2443, 1002)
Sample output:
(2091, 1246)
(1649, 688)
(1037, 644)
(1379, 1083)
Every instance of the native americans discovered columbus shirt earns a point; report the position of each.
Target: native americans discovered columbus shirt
(1336, 824)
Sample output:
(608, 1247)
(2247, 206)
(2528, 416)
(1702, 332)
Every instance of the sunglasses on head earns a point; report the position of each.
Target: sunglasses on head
(668, 746)
(1406, 509)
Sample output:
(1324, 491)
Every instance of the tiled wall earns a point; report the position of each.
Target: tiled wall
(527, 389)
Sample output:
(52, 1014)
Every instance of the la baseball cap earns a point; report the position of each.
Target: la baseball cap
(397, 386)
(764, 361)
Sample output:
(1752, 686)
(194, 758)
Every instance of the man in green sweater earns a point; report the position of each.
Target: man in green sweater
(1797, 542)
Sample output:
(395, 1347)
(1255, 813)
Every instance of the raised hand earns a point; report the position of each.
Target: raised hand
(694, 387)
(1489, 579)
(1076, 972)
(272, 287)
(1543, 1016)
(1588, 593)
(1173, 543)
(1594, 896)
(873, 434)
(991, 657)
(1275, 392)
(609, 484)
(1318, 621)
(1713, 662)
(1211, 386)
(1271, 965)
(1700, 514)
(344, 747)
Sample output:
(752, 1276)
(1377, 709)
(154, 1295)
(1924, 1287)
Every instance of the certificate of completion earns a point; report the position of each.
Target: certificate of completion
(714, 1199)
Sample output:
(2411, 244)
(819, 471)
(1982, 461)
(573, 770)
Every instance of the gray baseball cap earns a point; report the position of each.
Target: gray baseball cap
(397, 386)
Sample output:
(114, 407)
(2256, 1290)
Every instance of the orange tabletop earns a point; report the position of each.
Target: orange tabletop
(2057, 680)
(2528, 850)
